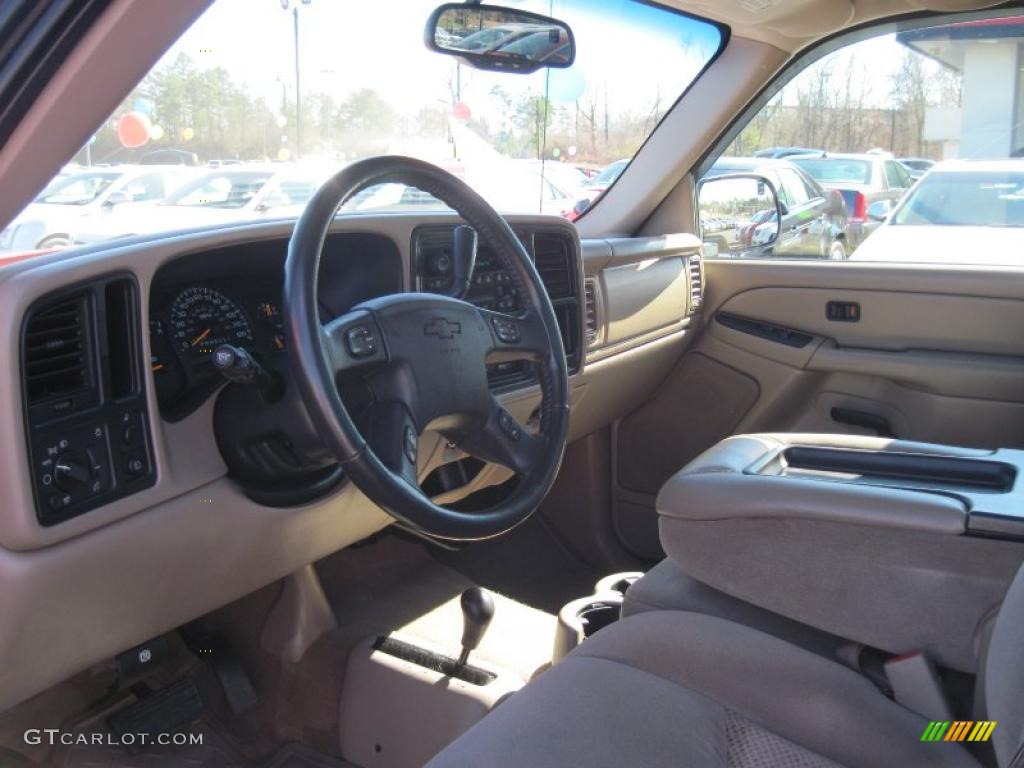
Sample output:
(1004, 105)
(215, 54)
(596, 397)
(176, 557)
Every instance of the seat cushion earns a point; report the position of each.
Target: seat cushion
(671, 688)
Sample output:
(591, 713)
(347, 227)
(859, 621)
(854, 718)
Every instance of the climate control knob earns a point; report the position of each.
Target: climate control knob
(70, 472)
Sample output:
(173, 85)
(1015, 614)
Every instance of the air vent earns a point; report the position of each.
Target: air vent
(593, 327)
(552, 259)
(56, 350)
(696, 267)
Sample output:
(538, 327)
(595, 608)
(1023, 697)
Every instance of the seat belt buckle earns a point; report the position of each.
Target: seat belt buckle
(916, 685)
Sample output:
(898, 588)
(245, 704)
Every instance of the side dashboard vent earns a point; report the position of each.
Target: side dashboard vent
(593, 325)
(56, 350)
(696, 267)
(552, 256)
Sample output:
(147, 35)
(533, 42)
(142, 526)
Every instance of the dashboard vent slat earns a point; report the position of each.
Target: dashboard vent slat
(552, 260)
(56, 352)
(593, 328)
(696, 267)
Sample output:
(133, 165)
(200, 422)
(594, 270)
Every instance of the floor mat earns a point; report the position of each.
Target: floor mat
(529, 564)
(214, 752)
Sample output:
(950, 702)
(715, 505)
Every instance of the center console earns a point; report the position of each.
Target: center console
(903, 546)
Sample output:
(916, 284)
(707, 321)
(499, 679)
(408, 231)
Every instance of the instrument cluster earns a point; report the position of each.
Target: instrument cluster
(196, 319)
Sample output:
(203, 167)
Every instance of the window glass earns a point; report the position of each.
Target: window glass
(796, 192)
(313, 85)
(916, 138)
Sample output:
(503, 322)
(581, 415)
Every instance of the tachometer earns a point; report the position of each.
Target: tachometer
(202, 319)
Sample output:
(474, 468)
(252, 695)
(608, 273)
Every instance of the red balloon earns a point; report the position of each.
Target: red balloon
(133, 129)
(462, 111)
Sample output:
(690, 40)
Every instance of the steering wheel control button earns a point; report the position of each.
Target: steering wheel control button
(361, 341)
(409, 445)
(507, 331)
(508, 425)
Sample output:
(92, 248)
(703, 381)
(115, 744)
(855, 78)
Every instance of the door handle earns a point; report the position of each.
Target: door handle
(863, 420)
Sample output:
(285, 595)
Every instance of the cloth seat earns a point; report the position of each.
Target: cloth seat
(686, 690)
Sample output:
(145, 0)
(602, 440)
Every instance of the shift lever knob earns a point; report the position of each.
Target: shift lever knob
(477, 612)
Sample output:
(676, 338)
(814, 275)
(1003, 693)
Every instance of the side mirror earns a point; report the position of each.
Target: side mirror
(116, 198)
(581, 206)
(879, 210)
(500, 39)
(739, 214)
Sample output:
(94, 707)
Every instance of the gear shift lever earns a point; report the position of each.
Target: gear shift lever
(477, 612)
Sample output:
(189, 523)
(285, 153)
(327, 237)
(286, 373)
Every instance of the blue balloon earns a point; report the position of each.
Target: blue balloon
(145, 106)
(566, 85)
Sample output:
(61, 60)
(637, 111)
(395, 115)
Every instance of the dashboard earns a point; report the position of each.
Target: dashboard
(158, 528)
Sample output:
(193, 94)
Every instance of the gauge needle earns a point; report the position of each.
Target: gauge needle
(158, 367)
(201, 336)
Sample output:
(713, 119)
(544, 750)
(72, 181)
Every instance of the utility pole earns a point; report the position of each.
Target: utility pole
(286, 5)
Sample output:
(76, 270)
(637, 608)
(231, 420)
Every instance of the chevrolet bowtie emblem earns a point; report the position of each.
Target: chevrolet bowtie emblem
(443, 329)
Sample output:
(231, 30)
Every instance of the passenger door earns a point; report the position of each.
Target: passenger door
(928, 351)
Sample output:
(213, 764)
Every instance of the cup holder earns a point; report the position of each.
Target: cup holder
(617, 582)
(597, 615)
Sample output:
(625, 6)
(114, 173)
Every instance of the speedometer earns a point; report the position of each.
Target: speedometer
(201, 319)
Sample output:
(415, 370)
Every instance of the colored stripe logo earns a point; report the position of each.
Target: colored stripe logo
(959, 730)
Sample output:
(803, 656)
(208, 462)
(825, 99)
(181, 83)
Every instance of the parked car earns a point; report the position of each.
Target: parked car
(960, 212)
(231, 194)
(916, 166)
(862, 179)
(814, 220)
(777, 153)
(70, 202)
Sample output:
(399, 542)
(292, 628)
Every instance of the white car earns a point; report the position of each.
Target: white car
(235, 193)
(960, 212)
(69, 203)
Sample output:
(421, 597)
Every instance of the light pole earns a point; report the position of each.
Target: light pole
(286, 5)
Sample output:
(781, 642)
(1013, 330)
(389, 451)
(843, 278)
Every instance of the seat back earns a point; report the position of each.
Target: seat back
(1004, 674)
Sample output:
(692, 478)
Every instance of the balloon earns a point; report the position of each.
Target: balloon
(565, 85)
(187, 134)
(133, 130)
(145, 106)
(283, 154)
(556, 152)
(461, 111)
(157, 133)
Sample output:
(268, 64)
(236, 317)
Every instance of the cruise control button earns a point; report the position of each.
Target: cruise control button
(361, 342)
(508, 425)
(507, 331)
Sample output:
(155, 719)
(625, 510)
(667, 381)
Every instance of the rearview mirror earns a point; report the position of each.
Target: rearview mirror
(500, 39)
(739, 215)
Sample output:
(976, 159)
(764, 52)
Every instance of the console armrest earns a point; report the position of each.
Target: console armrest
(862, 537)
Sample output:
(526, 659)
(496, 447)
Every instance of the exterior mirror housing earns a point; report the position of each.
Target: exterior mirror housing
(879, 210)
(739, 215)
(500, 39)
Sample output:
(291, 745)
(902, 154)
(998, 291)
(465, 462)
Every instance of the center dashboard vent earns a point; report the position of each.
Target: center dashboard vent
(552, 256)
(56, 350)
(696, 268)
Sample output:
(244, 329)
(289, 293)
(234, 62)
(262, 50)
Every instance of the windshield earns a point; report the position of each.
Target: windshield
(221, 190)
(313, 86)
(79, 189)
(835, 170)
(965, 199)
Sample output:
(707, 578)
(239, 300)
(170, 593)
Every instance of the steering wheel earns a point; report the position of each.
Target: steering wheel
(423, 357)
